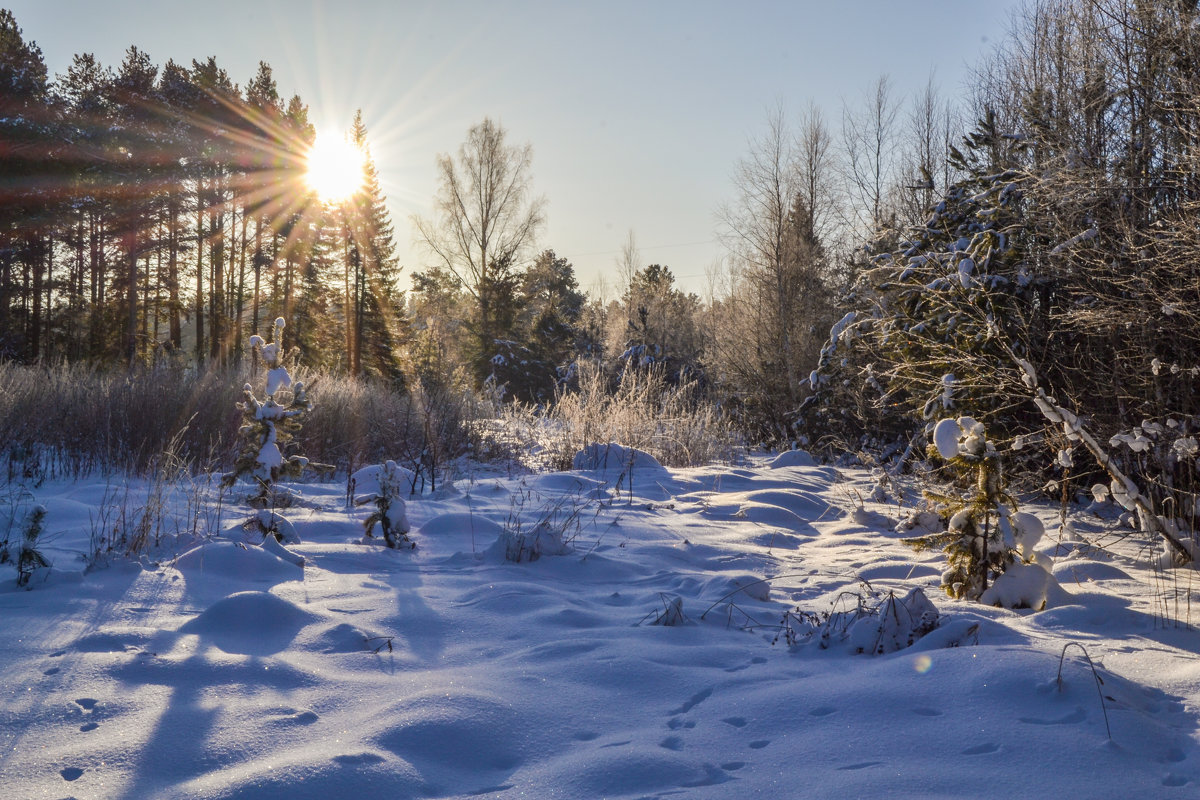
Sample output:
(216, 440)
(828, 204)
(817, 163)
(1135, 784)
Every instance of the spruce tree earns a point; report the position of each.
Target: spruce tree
(268, 428)
(377, 309)
(979, 540)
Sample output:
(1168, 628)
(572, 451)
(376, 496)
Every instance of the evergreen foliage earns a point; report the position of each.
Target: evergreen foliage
(979, 540)
(268, 427)
(934, 313)
(29, 557)
(391, 483)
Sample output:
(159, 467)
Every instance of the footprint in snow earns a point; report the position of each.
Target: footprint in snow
(671, 743)
(694, 701)
(52, 671)
(860, 765)
(981, 749)
(71, 773)
(753, 661)
(822, 711)
(1173, 756)
(927, 712)
(87, 703)
(676, 723)
(1174, 780)
(737, 722)
(759, 744)
(294, 717)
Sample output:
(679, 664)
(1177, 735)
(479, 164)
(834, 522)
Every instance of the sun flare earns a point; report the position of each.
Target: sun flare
(335, 168)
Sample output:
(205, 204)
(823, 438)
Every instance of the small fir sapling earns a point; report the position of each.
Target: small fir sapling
(391, 482)
(980, 538)
(268, 427)
(29, 558)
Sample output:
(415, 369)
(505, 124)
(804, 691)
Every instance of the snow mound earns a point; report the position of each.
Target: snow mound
(460, 524)
(751, 586)
(1079, 570)
(458, 737)
(524, 546)
(249, 623)
(342, 638)
(365, 482)
(613, 457)
(792, 458)
(1025, 586)
(235, 560)
(806, 505)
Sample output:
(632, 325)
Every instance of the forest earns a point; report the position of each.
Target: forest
(902, 258)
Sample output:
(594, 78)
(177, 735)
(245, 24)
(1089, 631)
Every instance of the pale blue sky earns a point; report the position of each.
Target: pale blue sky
(637, 111)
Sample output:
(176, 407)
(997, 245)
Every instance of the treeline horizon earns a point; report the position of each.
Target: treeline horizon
(155, 214)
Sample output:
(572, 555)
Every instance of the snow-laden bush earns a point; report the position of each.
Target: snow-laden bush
(875, 625)
(548, 530)
(523, 546)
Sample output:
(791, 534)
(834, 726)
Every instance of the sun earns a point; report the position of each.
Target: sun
(335, 168)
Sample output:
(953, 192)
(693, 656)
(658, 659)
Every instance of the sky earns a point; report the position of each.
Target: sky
(637, 112)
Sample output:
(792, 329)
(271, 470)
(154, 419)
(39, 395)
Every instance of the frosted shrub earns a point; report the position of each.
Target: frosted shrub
(875, 625)
(643, 410)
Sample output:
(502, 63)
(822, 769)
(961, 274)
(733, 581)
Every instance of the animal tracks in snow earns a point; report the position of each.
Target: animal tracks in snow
(88, 706)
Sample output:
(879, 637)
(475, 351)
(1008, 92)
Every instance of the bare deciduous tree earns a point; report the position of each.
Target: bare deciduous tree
(485, 218)
(774, 315)
(925, 171)
(869, 139)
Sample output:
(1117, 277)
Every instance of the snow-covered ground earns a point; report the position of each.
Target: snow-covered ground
(447, 671)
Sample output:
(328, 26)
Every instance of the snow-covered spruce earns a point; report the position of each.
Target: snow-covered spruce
(985, 535)
(384, 486)
(268, 427)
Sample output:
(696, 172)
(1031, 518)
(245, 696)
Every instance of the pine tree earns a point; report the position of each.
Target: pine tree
(26, 121)
(388, 483)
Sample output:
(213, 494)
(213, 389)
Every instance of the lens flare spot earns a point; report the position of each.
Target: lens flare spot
(922, 664)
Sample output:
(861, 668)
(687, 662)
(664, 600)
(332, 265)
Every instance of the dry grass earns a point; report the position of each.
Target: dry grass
(67, 421)
(644, 410)
(71, 420)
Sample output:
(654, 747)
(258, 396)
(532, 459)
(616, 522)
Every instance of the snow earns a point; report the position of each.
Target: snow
(945, 437)
(792, 458)
(635, 660)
